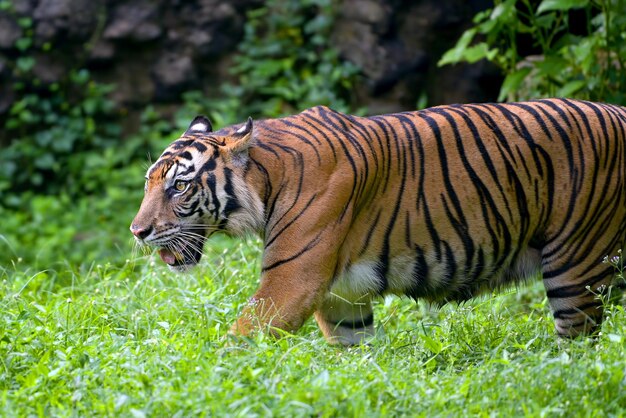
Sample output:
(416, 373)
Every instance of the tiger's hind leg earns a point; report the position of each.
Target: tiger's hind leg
(576, 296)
(345, 322)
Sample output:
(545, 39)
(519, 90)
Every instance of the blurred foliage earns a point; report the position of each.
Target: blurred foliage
(578, 48)
(65, 137)
(71, 178)
(62, 137)
(286, 63)
(54, 232)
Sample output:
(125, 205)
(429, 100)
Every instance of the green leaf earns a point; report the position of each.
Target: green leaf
(512, 82)
(562, 5)
(433, 345)
(551, 65)
(570, 88)
(23, 44)
(477, 52)
(25, 22)
(504, 11)
(545, 21)
(25, 64)
(45, 161)
(456, 54)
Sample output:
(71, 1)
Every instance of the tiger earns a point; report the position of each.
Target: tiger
(439, 205)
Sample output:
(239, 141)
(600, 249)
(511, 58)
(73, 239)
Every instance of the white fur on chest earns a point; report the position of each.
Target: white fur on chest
(357, 281)
(362, 279)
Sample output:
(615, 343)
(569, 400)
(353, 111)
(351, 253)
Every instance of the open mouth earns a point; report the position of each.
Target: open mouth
(183, 254)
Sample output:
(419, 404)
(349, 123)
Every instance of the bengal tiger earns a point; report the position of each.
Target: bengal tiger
(439, 204)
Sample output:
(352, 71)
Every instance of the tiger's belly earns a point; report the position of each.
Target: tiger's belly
(433, 280)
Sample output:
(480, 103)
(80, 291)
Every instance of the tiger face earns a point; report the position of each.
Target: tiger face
(195, 189)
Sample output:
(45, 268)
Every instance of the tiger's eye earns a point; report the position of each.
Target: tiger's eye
(180, 185)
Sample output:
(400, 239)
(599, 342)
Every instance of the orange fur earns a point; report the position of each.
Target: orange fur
(440, 204)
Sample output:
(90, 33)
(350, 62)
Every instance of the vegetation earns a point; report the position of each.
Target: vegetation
(287, 62)
(89, 326)
(135, 340)
(564, 48)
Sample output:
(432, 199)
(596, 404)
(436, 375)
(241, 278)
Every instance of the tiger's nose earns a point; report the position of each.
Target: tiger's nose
(140, 232)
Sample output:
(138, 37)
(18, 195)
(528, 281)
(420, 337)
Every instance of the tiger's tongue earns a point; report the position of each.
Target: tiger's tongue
(167, 256)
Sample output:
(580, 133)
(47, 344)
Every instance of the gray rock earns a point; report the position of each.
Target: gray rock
(7, 97)
(173, 72)
(10, 31)
(152, 50)
(378, 14)
(358, 43)
(73, 19)
(135, 21)
(49, 68)
(132, 79)
(24, 7)
(102, 51)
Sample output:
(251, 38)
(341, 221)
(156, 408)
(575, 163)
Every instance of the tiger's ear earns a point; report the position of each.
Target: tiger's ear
(241, 140)
(199, 125)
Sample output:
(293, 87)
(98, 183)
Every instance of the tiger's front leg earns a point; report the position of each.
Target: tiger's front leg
(300, 260)
(279, 304)
(289, 293)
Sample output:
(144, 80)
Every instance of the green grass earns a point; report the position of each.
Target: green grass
(85, 332)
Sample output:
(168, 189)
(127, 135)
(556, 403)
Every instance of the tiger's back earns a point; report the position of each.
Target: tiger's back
(438, 204)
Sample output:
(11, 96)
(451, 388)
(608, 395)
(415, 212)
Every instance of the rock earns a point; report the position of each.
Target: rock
(209, 27)
(397, 45)
(358, 43)
(136, 21)
(24, 7)
(134, 86)
(172, 73)
(153, 50)
(102, 51)
(70, 19)
(49, 68)
(10, 31)
(374, 13)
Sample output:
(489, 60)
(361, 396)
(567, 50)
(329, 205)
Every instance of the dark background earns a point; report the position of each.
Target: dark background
(152, 51)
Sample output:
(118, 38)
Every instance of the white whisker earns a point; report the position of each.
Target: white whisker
(194, 245)
(192, 235)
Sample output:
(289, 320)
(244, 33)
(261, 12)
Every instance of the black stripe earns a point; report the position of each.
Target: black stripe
(185, 155)
(451, 266)
(209, 165)
(290, 132)
(323, 112)
(278, 233)
(212, 196)
(582, 235)
(319, 131)
(370, 232)
(420, 285)
(307, 247)
(382, 266)
(199, 146)
(575, 311)
(355, 324)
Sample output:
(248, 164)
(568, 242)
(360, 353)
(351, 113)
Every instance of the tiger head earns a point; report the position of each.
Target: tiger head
(195, 188)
